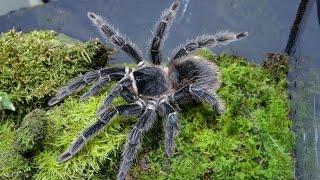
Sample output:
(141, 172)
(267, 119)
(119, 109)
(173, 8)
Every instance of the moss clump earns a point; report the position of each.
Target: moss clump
(252, 140)
(12, 164)
(67, 122)
(31, 133)
(33, 64)
(277, 64)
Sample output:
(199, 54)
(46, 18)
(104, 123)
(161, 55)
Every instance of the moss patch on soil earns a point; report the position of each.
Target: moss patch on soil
(12, 164)
(34, 64)
(252, 140)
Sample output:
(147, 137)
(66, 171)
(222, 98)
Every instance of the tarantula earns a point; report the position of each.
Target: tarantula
(152, 90)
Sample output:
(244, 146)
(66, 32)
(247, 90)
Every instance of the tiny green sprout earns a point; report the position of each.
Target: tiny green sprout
(6, 102)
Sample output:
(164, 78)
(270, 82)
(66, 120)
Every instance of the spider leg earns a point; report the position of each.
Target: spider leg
(171, 126)
(134, 109)
(144, 123)
(101, 84)
(115, 92)
(171, 131)
(199, 94)
(208, 41)
(161, 30)
(80, 82)
(127, 95)
(113, 36)
(122, 89)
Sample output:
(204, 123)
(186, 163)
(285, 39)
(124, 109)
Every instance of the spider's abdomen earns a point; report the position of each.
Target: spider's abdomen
(195, 70)
(150, 81)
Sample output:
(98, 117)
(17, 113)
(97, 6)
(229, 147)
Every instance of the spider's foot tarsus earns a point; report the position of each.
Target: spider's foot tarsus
(91, 15)
(53, 101)
(73, 86)
(220, 107)
(226, 37)
(242, 35)
(171, 132)
(124, 172)
(64, 157)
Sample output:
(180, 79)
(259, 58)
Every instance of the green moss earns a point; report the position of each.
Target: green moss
(33, 64)
(252, 140)
(12, 164)
(31, 133)
(63, 127)
(277, 64)
(205, 53)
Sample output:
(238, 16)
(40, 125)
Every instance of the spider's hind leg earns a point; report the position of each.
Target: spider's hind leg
(201, 95)
(134, 109)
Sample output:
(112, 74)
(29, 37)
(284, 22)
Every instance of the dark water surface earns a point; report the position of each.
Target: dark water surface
(267, 21)
(269, 25)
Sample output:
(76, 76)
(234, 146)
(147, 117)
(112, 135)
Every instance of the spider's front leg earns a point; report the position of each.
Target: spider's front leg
(206, 41)
(144, 123)
(113, 36)
(103, 76)
(134, 109)
(122, 89)
(161, 30)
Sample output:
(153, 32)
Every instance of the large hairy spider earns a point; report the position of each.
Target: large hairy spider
(151, 90)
